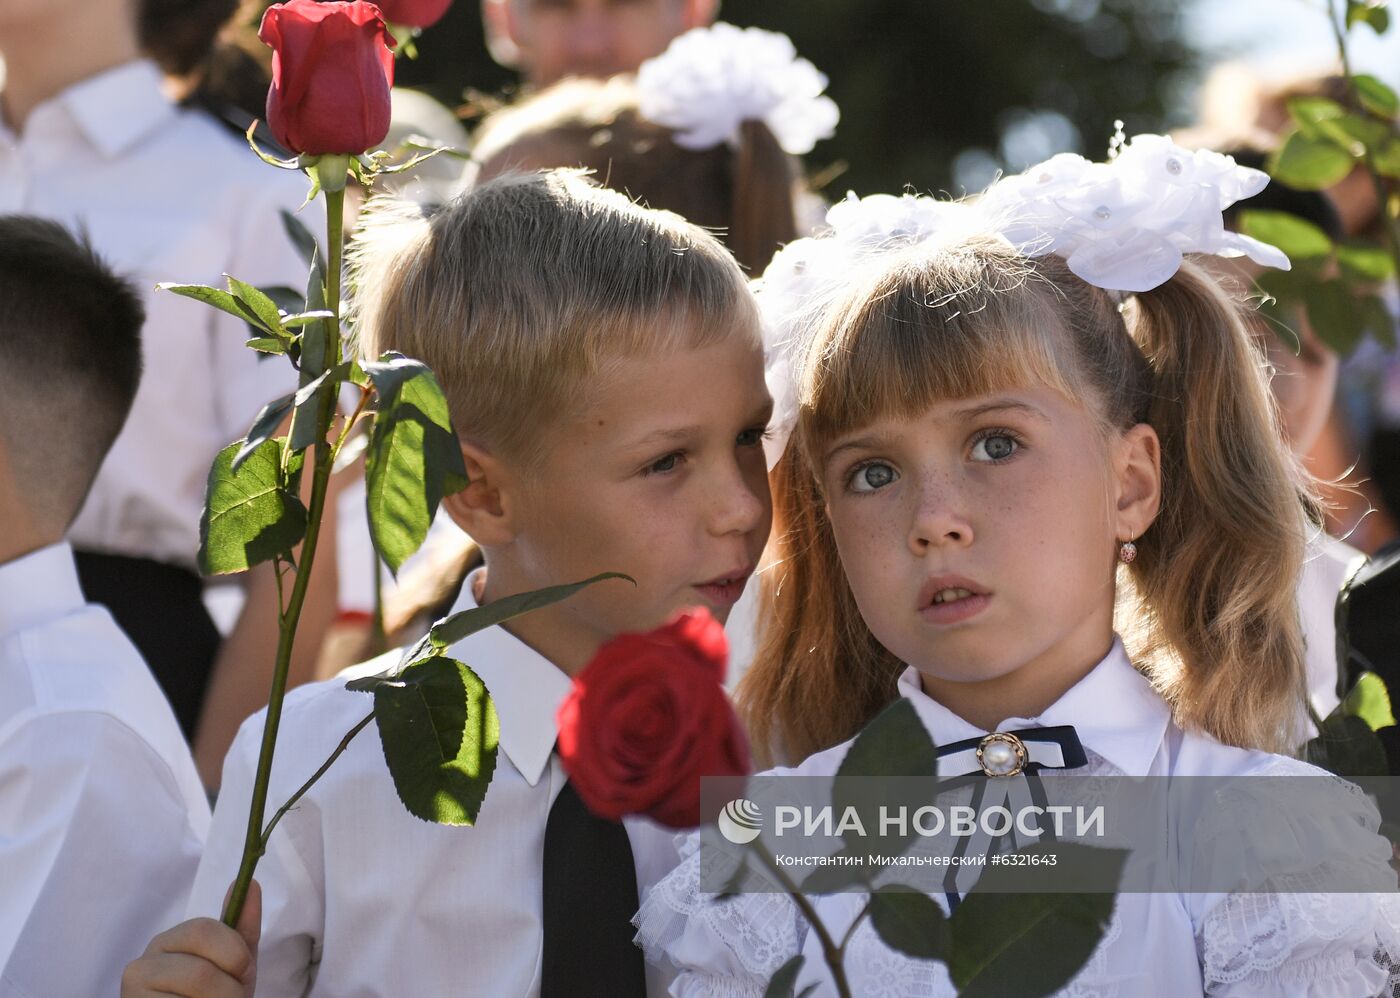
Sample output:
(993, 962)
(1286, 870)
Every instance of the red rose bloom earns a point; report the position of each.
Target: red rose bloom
(331, 74)
(647, 718)
(413, 13)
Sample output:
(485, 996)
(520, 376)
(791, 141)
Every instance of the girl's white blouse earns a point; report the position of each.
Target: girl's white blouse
(1299, 945)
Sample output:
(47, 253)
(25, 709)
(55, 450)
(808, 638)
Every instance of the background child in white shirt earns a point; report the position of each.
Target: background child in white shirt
(89, 137)
(603, 366)
(102, 817)
(990, 459)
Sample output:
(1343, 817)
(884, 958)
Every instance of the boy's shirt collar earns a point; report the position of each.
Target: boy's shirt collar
(526, 688)
(1114, 710)
(39, 587)
(113, 110)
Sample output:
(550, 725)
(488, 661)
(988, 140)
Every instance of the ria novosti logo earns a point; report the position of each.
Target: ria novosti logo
(741, 821)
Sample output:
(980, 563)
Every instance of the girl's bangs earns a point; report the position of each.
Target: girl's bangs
(942, 328)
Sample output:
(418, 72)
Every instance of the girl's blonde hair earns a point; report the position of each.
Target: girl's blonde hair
(1208, 608)
(745, 194)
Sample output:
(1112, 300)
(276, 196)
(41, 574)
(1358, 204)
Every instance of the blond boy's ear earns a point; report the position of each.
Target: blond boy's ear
(484, 509)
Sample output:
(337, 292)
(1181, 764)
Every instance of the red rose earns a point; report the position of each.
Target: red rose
(331, 74)
(647, 718)
(413, 13)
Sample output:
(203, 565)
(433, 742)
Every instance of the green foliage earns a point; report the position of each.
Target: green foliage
(895, 744)
(910, 922)
(1024, 944)
(1347, 746)
(1375, 96)
(1370, 701)
(414, 458)
(458, 626)
(264, 426)
(251, 515)
(784, 980)
(1368, 12)
(1297, 237)
(439, 730)
(1310, 162)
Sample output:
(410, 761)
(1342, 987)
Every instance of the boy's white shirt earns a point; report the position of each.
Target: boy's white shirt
(102, 815)
(1152, 947)
(360, 898)
(165, 194)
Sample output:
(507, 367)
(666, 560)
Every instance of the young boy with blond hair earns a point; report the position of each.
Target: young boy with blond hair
(603, 365)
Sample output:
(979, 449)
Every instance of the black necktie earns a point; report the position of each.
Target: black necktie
(590, 896)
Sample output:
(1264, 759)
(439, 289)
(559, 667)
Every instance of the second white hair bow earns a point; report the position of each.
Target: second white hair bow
(709, 81)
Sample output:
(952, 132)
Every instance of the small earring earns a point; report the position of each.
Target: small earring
(1127, 551)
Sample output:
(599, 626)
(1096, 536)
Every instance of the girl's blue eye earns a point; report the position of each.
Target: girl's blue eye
(995, 447)
(872, 477)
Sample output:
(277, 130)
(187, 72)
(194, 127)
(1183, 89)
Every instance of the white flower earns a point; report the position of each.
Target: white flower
(709, 81)
(1125, 225)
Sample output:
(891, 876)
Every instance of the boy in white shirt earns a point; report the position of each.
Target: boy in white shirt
(604, 370)
(102, 817)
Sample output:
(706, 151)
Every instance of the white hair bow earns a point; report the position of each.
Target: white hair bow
(1124, 226)
(709, 81)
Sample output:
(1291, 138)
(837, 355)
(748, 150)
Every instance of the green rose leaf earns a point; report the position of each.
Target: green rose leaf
(314, 344)
(264, 426)
(784, 980)
(439, 730)
(895, 744)
(298, 319)
(1309, 163)
(1370, 12)
(1029, 945)
(306, 422)
(910, 922)
(266, 344)
(1375, 96)
(834, 878)
(257, 305)
(449, 630)
(1370, 701)
(1297, 237)
(414, 457)
(250, 515)
(221, 300)
(1347, 746)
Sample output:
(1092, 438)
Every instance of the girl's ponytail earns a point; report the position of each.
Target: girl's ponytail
(762, 218)
(1216, 575)
(818, 675)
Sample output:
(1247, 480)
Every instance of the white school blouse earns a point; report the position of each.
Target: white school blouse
(102, 816)
(1168, 945)
(362, 899)
(165, 194)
